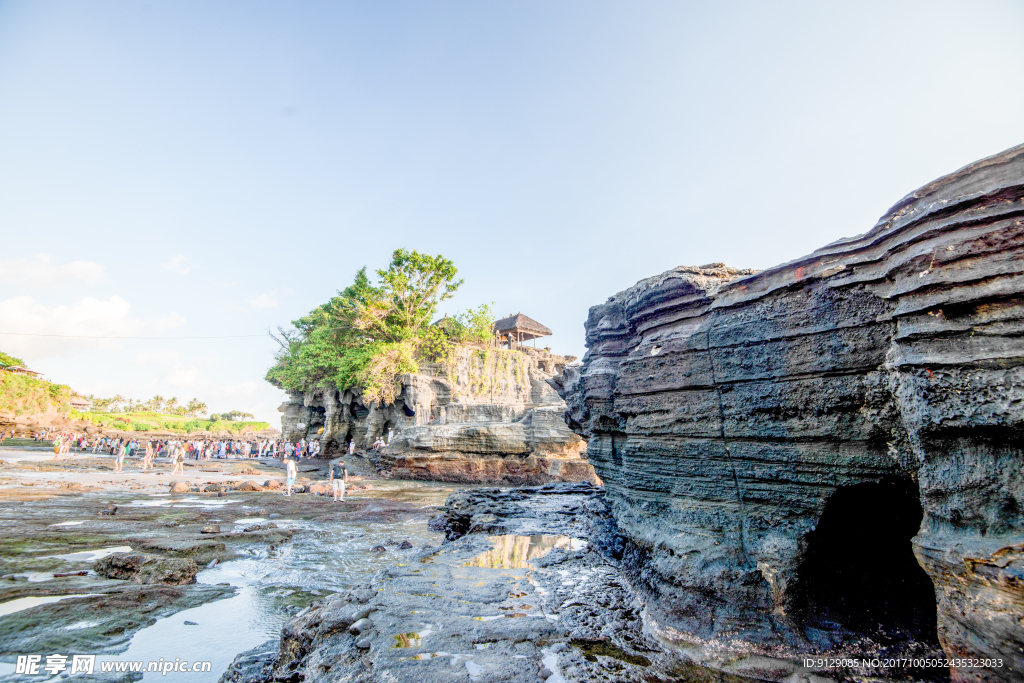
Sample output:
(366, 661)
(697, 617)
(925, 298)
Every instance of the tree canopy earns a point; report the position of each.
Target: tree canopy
(11, 360)
(157, 404)
(370, 334)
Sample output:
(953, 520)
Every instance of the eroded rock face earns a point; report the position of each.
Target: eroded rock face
(492, 417)
(776, 444)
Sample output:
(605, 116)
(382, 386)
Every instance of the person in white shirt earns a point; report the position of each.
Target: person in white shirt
(289, 472)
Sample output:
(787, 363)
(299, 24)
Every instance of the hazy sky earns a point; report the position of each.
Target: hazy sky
(217, 168)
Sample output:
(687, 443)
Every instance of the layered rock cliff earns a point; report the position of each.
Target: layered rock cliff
(826, 456)
(489, 416)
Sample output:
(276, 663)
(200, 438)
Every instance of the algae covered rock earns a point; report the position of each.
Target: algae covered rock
(147, 569)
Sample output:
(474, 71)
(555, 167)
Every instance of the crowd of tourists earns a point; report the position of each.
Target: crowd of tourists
(195, 449)
(180, 450)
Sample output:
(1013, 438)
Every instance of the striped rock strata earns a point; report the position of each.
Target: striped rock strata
(492, 417)
(826, 456)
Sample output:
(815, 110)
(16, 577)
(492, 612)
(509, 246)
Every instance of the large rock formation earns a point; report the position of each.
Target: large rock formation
(826, 456)
(491, 416)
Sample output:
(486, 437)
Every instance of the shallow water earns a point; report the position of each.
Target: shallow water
(515, 552)
(12, 606)
(93, 555)
(187, 502)
(323, 557)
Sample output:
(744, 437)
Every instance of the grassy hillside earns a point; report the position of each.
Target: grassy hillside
(147, 422)
(24, 394)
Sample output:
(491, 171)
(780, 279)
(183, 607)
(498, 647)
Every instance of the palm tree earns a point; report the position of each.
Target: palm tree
(195, 407)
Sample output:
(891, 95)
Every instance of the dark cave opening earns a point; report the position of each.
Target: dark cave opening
(859, 574)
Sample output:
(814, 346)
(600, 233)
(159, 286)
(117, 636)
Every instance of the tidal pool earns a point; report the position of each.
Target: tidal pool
(516, 552)
(93, 555)
(12, 606)
(322, 556)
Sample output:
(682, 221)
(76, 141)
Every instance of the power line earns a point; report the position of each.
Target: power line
(85, 336)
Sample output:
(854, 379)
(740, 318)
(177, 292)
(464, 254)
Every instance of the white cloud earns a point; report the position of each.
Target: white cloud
(38, 272)
(181, 376)
(268, 300)
(74, 323)
(178, 264)
(156, 358)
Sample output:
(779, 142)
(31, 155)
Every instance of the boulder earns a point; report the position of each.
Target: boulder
(179, 487)
(362, 626)
(272, 484)
(147, 569)
(319, 489)
(248, 486)
(213, 488)
(210, 529)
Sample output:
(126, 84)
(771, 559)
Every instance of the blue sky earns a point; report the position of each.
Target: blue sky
(217, 168)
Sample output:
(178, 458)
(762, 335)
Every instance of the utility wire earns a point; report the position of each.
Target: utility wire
(85, 336)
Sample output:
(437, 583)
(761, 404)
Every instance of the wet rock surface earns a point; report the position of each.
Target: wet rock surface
(521, 592)
(149, 569)
(56, 546)
(825, 456)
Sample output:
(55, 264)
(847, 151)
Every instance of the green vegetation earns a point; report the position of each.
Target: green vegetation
(369, 335)
(21, 394)
(179, 424)
(232, 415)
(157, 404)
(6, 359)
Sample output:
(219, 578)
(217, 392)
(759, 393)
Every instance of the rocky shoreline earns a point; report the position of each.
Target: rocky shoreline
(528, 586)
(817, 460)
(91, 558)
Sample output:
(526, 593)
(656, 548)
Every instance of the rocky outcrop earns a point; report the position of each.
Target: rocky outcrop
(492, 416)
(147, 569)
(826, 456)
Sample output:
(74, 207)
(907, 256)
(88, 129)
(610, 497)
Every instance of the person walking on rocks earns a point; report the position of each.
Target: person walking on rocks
(147, 457)
(289, 473)
(119, 458)
(178, 458)
(339, 477)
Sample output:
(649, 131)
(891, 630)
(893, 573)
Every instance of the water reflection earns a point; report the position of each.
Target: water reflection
(271, 584)
(516, 552)
(408, 640)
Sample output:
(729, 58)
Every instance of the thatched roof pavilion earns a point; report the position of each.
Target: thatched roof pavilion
(519, 328)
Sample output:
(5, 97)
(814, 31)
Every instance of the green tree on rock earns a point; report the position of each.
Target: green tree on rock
(370, 333)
